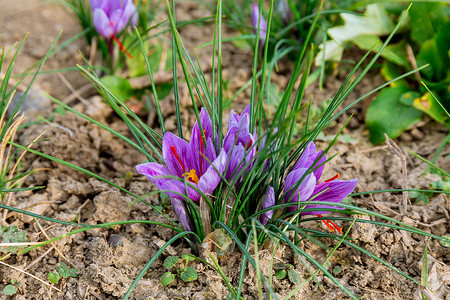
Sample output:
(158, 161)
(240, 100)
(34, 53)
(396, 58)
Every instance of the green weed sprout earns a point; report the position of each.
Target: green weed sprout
(61, 271)
(185, 272)
(11, 289)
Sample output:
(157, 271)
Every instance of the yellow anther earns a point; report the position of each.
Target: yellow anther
(191, 176)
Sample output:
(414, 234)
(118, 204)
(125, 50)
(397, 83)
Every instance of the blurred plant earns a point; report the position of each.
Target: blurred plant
(423, 41)
(11, 289)
(11, 176)
(290, 24)
(108, 25)
(186, 273)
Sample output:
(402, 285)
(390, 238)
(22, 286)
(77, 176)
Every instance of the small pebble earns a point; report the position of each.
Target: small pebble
(115, 240)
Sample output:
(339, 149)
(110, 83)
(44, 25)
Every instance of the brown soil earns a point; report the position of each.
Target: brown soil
(108, 260)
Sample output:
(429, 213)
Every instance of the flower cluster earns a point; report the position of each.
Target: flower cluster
(308, 169)
(193, 170)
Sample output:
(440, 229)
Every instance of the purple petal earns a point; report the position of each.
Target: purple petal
(303, 191)
(96, 4)
(102, 24)
(154, 172)
(178, 186)
(115, 5)
(211, 178)
(177, 155)
(235, 162)
(180, 211)
(115, 20)
(333, 191)
(284, 10)
(307, 159)
(267, 201)
(196, 142)
(235, 117)
(238, 136)
(246, 110)
(255, 19)
(127, 11)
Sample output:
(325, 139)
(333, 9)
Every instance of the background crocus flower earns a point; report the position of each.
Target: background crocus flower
(267, 201)
(258, 17)
(284, 10)
(111, 16)
(330, 190)
(195, 162)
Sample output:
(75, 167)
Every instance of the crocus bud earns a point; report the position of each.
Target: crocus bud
(267, 201)
(258, 17)
(284, 11)
(111, 16)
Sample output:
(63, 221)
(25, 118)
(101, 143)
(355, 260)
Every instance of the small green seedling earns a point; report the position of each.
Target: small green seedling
(11, 289)
(61, 271)
(287, 269)
(185, 272)
(11, 234)
(164, 202)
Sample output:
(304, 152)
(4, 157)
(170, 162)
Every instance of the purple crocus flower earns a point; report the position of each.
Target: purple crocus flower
(196, 164)
(284, 10)
(111, 16)
(239, 142)
(258, 17)
(331, 190)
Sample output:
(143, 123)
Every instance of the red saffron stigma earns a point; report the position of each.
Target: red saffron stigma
(122, 48)
(174, 151)
(332, 178)
(331, 225)
(249, 144)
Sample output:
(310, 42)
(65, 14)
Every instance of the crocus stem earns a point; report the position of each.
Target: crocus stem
(109, 42)
(122, 48)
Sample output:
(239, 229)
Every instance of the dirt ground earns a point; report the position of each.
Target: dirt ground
(108, 260)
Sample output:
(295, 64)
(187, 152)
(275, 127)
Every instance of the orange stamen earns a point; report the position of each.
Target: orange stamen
(332, 178)
(331, 225)
(122, 48)
(174, 151)
(191, 176)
